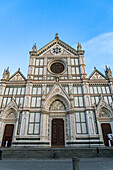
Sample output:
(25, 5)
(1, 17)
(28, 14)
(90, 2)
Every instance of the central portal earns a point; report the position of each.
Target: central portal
(57, 139)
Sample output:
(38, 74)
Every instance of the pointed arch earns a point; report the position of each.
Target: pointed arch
(11, 111)
(59, 98)
(57, 93)
(103, 110)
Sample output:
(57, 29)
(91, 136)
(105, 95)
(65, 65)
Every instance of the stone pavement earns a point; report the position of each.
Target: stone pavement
(57, 164)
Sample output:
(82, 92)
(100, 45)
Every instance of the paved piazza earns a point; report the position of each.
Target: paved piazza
(58, 164)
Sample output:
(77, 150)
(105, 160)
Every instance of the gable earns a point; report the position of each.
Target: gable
(96, 75)
(18, 76)
(56, 50)
(56, 47)
(57, 90)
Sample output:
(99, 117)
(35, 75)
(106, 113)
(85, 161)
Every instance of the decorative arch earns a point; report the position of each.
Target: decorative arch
(9, 117)
(11, 114)
(60, 99)
(11, 111)
(104, 110)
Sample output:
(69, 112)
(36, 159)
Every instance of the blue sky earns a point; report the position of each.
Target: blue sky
(25, 22)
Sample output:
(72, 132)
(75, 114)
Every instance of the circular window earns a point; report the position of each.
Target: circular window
(57, 66)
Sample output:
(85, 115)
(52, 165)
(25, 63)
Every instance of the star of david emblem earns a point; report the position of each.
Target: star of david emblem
(56, 50)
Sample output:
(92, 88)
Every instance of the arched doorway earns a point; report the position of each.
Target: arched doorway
(9, 120)
(57, 125)
(105, 118)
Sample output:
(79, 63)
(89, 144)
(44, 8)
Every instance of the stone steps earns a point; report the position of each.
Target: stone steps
(47, 153)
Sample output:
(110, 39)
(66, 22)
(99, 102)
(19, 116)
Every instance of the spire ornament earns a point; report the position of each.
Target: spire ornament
(108, 73)
(56, 36)
(79, 47)
(34, 47)
(6, 73)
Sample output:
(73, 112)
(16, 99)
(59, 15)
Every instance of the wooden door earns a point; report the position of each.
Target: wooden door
(106, 129)
(57, 133)
(7, 137)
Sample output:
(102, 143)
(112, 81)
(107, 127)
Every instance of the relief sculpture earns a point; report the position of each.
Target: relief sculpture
(57, 105)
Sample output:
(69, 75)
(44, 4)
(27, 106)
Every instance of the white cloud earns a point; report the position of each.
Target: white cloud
(99, 52)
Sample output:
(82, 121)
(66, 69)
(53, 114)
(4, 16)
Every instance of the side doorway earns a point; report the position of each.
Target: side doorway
(8, 134)
(57, 136)
(106, 129)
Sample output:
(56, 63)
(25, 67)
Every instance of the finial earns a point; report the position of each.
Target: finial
(13, 98)
(18, 69)
(79, 47)
(6, 73)
(108, 73)
(34, 47)
(95, 68)
(56, 36)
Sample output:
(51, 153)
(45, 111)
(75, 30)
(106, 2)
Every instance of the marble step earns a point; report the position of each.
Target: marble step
(47, 153)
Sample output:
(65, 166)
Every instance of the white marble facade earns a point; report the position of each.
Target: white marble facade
(56, 88)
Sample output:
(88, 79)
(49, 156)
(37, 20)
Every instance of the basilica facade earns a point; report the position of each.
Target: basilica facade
(57, 105)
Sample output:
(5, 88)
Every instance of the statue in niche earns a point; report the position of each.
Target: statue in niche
(57, 105)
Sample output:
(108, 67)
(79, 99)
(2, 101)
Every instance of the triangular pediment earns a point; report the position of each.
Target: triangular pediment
(57, 89)
(17, 76)
(56, 50)
(96, 75)
(12, 104)
(51, 48)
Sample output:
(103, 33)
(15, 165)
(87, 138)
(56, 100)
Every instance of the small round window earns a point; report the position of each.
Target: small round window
(57, 67)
